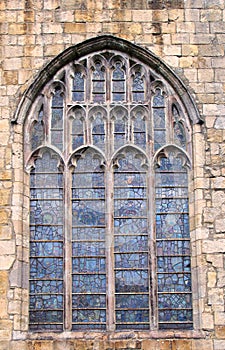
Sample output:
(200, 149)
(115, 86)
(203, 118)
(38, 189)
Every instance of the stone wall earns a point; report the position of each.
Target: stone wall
(189, 36)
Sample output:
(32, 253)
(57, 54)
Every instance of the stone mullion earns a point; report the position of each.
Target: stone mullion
(67, 251)
(152, 248)
(110, 251)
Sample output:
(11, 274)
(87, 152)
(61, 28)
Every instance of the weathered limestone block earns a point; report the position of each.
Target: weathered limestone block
(219, 344)
(213, 246)
(216, 296)
(207, 321)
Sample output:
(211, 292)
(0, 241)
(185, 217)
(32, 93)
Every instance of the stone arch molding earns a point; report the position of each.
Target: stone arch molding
(100, 43)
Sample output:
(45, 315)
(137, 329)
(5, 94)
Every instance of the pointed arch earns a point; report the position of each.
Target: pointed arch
(116, 152)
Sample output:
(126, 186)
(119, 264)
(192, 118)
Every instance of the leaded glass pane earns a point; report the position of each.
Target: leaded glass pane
(173, 244)
(46, 244)
(78, 87)
(98, 82)
(37, 133)
(77, 133)
(131, 243)
(139, 130)
(179, 135)
(98, 131)
(159, 119)
(138, 87)
(179, 131)
(120, 128)
(57, 118)
(88, 244)
(118, 83)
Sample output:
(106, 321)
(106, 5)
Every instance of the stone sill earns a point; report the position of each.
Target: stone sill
(67, 335)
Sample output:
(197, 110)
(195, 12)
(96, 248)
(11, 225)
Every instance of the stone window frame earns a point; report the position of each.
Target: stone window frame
(19, 272)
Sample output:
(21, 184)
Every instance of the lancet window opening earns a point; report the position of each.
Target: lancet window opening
(108, 151)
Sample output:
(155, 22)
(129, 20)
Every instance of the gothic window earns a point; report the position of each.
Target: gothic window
(108, 157)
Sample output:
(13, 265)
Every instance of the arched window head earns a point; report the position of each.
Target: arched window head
(109, 153)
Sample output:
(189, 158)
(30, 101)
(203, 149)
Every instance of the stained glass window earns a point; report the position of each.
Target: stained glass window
(173, 242)
(46, 244)
(88, 245)
(109, 213)
(131, 244)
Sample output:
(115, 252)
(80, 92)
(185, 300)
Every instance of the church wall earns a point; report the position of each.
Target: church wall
(188, 36)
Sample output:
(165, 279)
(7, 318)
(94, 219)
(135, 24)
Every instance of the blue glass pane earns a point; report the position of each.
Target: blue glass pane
(174, 282)
(98, 132)
(180, 301)
(130, 225)
(171, 179)
(172, 226)
(130, 243)
(171, 191)
(78, 87)
(138, 88)
(132, 316)
(52, 301)
(173, 264)
(131, 260)
(173, 247)
(179, 135)
(45, 327)
(46, 248)
(92, 213)
(159, 118)
(57, 118)
(91, 248)
(175, 315)
(130, 208)
(89, 283)
(98, 316)
(118, 86)
(172, 164)
(117, 97)
(118, 72)
(89, 301)
(37, 133)
(134, 301)
(131, 281)
(85, 233)
(77, 133)
(171, 205)
(57, 139)
(46, 212)
(50, 286)
(46, 268)
(87, 265)
(158, 100)
(57, 99)
(159, 139)
(46, 316)
(46, 232)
